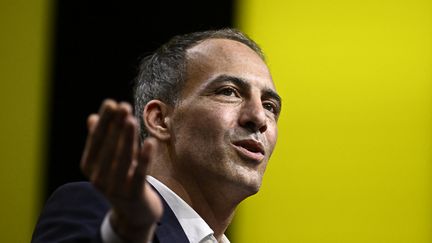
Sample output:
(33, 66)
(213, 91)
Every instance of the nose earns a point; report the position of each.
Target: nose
(253, 117)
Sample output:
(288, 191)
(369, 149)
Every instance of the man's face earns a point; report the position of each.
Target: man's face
(225, 123)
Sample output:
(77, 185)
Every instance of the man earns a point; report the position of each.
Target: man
(207, 110)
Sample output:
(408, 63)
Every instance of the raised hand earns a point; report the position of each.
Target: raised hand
(116, 165)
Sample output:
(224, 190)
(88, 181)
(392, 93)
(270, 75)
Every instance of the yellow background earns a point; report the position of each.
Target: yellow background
(353, 163)
(23, 88)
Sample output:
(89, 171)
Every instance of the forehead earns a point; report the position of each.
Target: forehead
(214, 57)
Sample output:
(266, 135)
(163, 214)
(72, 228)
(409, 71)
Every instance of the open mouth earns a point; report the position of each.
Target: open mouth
(250, 149)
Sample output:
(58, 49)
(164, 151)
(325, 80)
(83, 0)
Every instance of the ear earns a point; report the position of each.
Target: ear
(156, 116)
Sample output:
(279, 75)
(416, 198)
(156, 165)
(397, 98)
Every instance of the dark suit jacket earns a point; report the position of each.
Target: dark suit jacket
(75, 211)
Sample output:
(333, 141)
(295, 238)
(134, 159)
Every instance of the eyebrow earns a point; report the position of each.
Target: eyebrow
(267, 92)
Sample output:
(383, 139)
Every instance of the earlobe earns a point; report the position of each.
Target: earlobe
(156, 115)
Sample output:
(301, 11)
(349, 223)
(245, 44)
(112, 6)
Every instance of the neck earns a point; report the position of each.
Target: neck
(214, 199)
(216, 207)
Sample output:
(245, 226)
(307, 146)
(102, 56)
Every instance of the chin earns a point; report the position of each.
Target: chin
(248, 183)
(253, 187)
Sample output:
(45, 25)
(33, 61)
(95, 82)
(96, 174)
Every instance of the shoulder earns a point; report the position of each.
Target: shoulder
(78, 197)
(77, 191)
(74, 210)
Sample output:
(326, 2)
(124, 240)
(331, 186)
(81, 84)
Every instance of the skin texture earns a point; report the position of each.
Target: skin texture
(215, 112)
(116, 166)
(211, 148)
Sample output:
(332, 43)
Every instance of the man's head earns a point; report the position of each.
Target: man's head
(218, 118)
(162, 75)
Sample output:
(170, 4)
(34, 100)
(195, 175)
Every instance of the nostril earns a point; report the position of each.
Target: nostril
(254, 127)
(263, 128)
(253, 118)
(250, 126)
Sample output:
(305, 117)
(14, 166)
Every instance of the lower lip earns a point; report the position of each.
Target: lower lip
(249, 155)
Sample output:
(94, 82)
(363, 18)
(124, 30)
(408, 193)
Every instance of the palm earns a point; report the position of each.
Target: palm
(116, 165)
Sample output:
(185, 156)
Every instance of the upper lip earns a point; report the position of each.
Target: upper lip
(251, 145)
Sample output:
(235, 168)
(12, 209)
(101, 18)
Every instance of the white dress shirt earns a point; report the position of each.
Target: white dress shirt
(195, 228)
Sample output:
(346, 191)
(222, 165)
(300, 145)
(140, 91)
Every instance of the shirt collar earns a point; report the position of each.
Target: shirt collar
(195, 228)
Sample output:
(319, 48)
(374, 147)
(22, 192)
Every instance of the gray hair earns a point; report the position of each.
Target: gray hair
(161, 76)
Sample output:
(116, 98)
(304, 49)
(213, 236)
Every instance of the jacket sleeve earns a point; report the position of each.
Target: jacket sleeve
(74, 213)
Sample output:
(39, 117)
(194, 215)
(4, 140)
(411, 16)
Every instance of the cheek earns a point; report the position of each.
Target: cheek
(271, 136)
(202, 124)
(201, 134)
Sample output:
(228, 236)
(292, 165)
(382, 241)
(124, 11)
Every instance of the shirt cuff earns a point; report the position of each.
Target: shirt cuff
(107, 232)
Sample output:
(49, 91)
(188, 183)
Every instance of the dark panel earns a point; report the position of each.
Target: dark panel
(97, 46)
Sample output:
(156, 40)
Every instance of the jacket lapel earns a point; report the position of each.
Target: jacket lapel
(169, 230)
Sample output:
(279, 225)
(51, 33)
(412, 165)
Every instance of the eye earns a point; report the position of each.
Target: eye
(228, 91)
(270, 106)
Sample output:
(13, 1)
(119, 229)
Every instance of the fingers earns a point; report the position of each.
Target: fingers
(115, 164)
(126, 158)
(96, 136)
(112, 146)
(92, 122)
(105, 136)
(139, 170)
(112, 159)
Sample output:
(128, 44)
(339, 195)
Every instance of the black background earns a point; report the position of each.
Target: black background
(96, 49)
